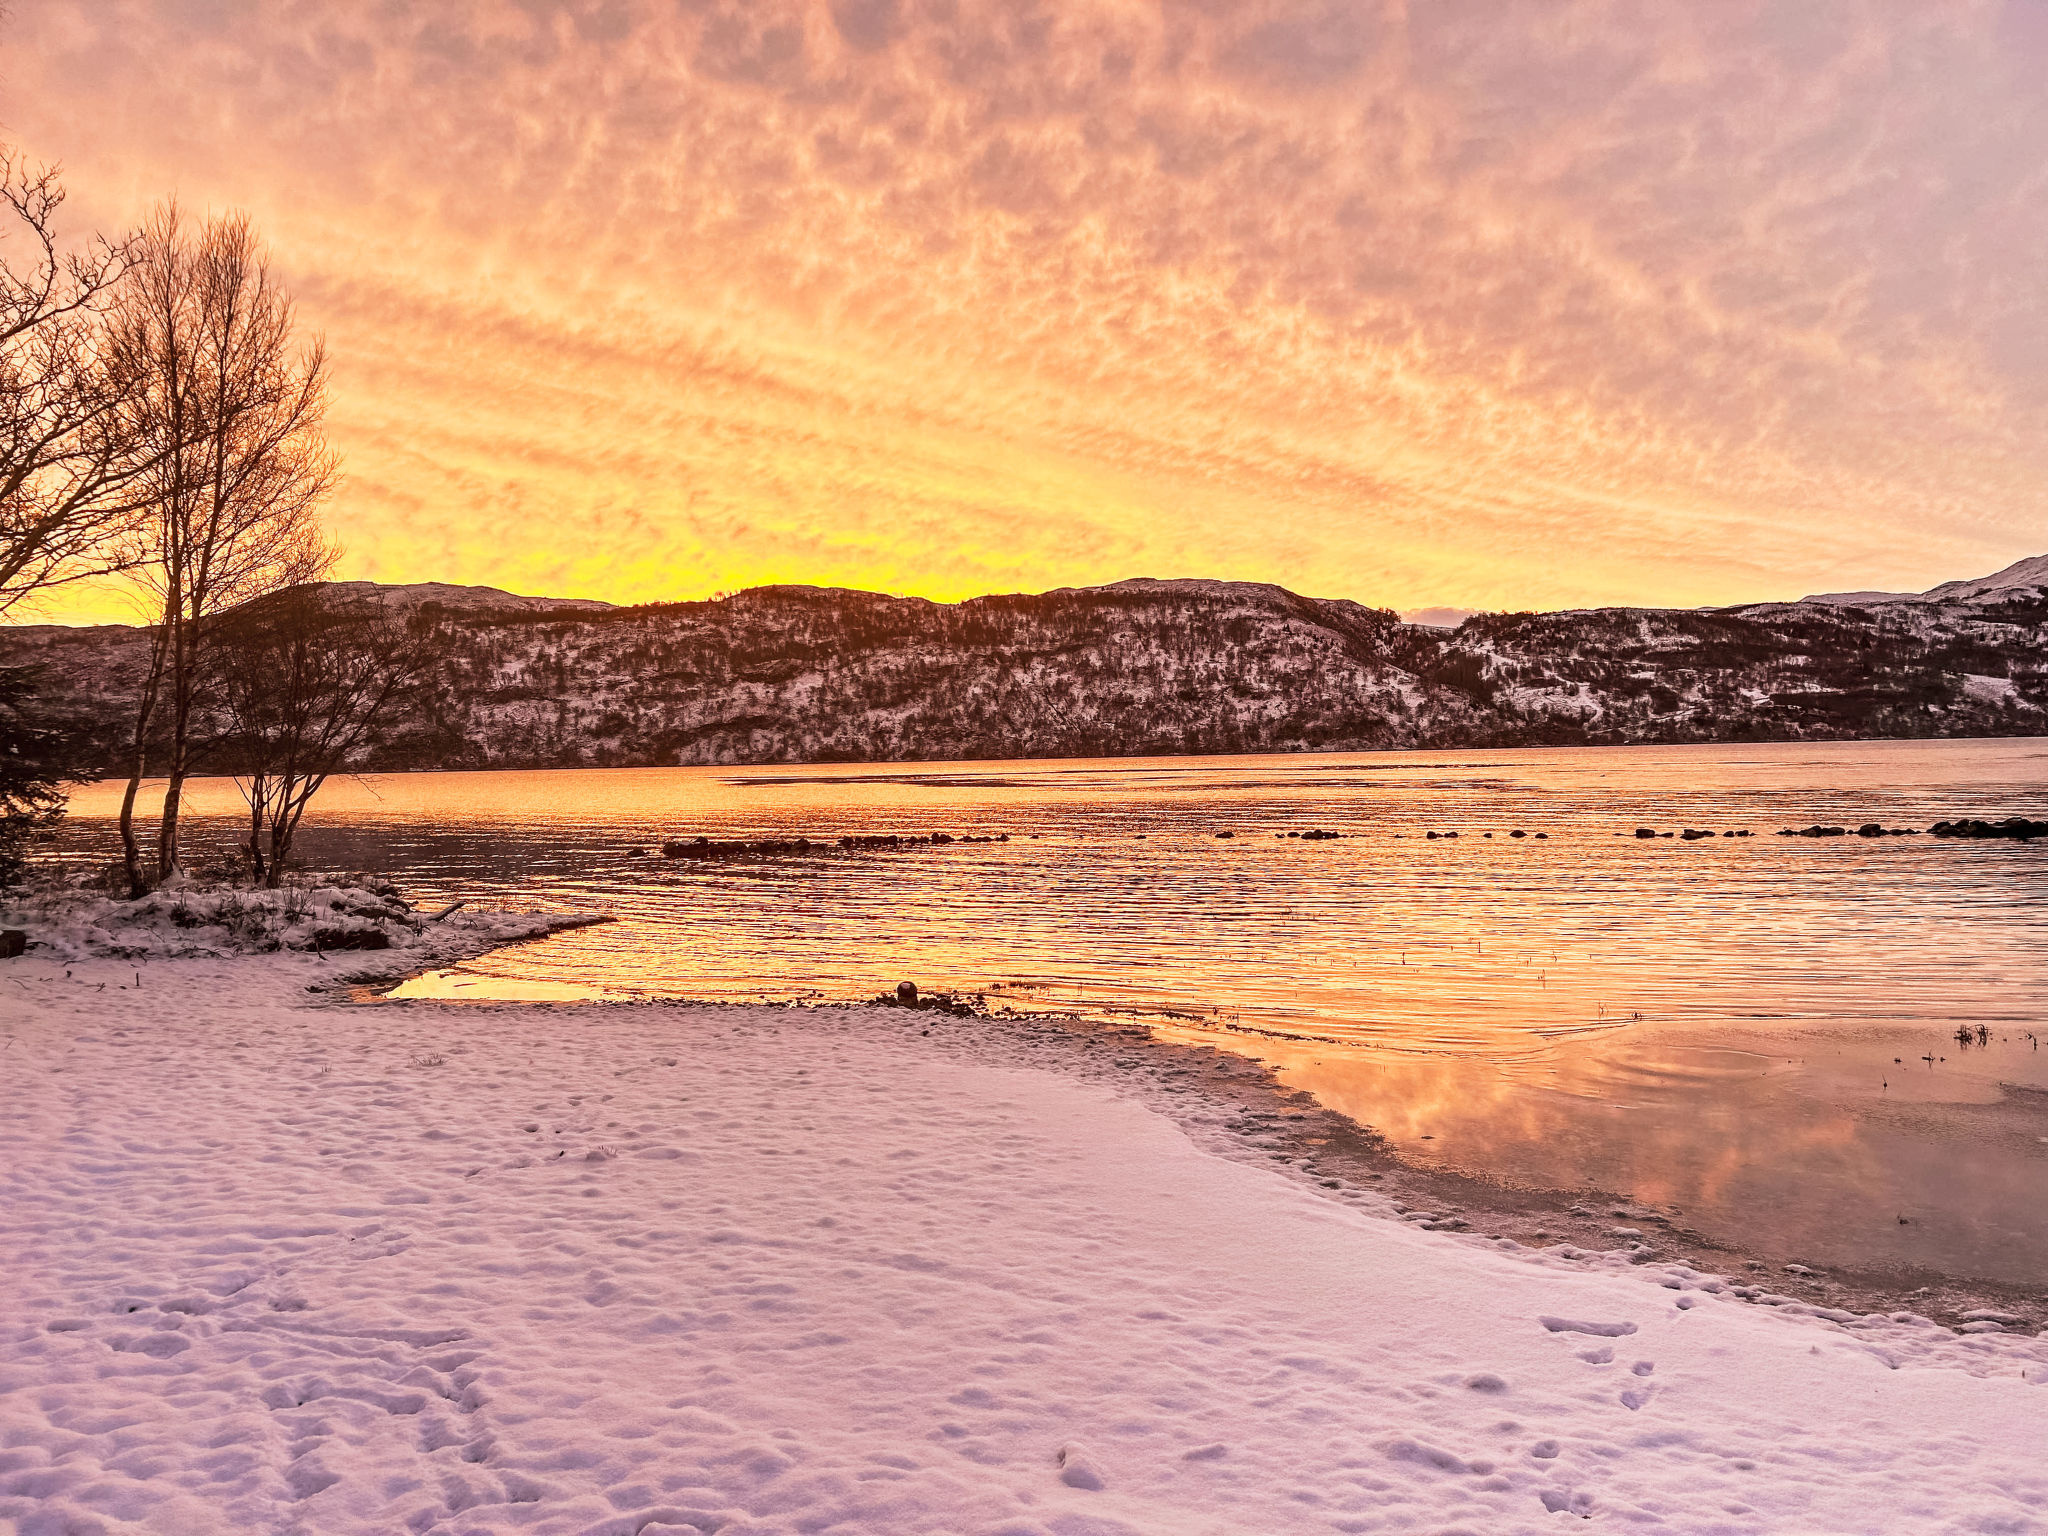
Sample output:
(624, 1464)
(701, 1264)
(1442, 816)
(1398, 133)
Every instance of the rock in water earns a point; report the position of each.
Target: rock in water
(906, 994)
(2017, 827)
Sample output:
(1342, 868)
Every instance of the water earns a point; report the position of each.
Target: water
(1734, 1026)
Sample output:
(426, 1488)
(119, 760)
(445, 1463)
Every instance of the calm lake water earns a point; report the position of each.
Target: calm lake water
(1738, 1027)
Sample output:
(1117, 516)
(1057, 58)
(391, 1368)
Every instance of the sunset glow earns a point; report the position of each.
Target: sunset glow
(1487, 306)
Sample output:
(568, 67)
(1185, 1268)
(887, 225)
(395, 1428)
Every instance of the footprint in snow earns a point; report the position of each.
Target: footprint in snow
(1080, 1470)
(1421, 1453)
(1558, 1502)
(1597, 1330)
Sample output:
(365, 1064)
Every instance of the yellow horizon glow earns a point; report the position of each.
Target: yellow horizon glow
(1544, 308)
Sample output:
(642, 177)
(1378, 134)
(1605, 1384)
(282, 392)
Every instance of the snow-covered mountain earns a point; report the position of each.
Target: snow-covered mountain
(440, 594)
(2021, 575)
(791, 674)
(2030, 574)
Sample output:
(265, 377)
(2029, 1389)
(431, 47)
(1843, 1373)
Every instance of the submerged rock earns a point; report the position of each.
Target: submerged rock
(736, 848)
(701, 848)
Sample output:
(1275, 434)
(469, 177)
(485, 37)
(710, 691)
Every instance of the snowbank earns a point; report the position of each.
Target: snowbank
(180, 922)
(282, 1263)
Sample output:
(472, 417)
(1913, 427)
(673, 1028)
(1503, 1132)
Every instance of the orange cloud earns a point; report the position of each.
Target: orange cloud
(1488, 305)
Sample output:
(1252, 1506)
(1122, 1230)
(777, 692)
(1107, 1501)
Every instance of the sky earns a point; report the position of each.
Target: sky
(1428, 303)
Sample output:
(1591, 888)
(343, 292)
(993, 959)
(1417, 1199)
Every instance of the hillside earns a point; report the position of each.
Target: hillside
(790, 674)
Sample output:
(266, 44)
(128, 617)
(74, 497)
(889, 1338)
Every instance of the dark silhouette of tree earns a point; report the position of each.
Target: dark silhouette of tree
(307, 683)
(37, 759)
(69, 464)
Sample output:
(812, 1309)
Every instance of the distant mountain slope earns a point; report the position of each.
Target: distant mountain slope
(790, 674)
(2030, 574)
(440, 594)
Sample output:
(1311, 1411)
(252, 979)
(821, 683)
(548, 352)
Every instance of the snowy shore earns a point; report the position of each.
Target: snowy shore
(279, 1261)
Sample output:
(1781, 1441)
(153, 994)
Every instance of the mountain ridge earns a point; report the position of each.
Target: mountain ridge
(2020, 575)
(1146, 666)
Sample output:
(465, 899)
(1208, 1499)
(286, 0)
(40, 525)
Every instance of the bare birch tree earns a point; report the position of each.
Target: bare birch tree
(231, 409)
(307, 683)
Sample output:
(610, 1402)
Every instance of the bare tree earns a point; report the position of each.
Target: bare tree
(231, 411)
(69, 469)
(308, 684)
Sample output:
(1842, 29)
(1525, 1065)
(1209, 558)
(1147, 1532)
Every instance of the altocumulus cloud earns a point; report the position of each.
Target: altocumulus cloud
(1494, 304)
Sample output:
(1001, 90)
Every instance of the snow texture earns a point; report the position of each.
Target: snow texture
(282, 1263)
(185, 920)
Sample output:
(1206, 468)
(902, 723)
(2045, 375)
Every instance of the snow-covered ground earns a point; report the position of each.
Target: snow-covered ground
(279, 1262)
(69, 922)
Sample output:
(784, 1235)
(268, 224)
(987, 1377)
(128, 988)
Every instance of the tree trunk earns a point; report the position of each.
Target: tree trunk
(280, 850)
(182, 683)
(131, 849)
(258, 872)
(167, 832)
(293, 795)
(145, 711)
